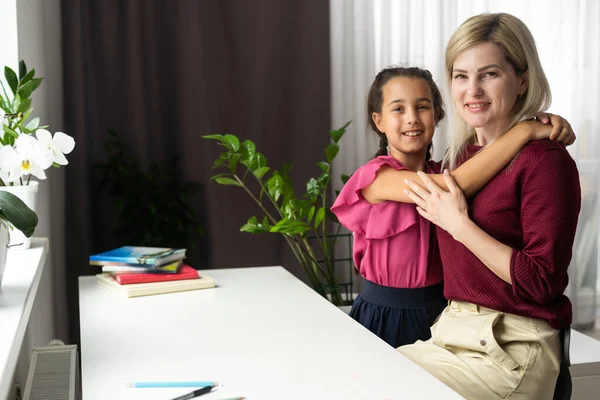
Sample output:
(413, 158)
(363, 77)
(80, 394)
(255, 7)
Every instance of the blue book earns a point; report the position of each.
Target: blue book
(138, 256)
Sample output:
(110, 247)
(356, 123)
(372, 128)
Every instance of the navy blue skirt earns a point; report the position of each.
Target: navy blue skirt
(397, 315)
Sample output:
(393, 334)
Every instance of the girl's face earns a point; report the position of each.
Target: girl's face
(407, 116)
(485, 88)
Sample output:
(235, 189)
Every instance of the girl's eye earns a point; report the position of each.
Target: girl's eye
(399, 109)
(423, 108)
(460, 76)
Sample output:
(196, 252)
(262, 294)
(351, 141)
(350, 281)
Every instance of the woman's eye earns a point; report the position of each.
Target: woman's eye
(460, 76)
(399, 109)
(490, 74)
(423, 108)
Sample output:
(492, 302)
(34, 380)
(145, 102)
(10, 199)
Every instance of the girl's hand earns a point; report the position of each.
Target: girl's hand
(448, 210)
(561, 129)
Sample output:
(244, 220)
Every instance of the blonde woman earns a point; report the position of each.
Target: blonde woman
(505, 261)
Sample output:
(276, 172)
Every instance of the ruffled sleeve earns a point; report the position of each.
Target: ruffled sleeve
(434, 167)
(375, 221)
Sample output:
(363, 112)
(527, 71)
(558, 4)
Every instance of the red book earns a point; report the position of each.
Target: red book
(185, 272)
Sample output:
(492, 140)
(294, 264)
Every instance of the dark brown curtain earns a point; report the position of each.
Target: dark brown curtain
(163, 73)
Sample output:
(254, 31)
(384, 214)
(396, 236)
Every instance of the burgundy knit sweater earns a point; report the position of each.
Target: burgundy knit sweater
(532, 205)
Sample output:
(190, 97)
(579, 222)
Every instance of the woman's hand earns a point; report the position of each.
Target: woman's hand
(561, 129)
(448, 210)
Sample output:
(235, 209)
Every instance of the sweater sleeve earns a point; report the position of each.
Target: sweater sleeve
(375, 221)
(550, 204)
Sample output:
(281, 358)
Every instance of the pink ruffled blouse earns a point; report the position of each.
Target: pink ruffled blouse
(393, 245)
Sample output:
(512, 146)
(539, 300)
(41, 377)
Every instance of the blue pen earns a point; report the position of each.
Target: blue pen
(170, 384)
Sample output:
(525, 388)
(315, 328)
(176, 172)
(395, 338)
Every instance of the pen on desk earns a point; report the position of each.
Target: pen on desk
(195, 393)
(234, 398)
(197, 384)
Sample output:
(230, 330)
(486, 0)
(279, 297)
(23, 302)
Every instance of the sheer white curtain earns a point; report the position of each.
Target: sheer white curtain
(367, 36)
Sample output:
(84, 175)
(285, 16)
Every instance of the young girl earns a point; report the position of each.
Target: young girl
(396, 250)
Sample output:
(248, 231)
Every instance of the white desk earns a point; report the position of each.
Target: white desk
(585, 366)
(17, 294)
(262, 333)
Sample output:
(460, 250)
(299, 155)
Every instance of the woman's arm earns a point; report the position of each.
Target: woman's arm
(477, 171)
(550, 205)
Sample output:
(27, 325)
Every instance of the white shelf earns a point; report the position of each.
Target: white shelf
(17, 294)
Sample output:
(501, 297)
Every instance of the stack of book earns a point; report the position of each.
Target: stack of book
(142, 271)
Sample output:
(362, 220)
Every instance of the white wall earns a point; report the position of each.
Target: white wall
(31, 31)
(39, 41)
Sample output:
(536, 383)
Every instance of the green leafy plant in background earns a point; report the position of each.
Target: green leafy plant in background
(154, 208)
(298, 219)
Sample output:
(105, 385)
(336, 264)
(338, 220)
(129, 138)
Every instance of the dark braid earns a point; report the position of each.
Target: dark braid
(375, 100)
(383, 144)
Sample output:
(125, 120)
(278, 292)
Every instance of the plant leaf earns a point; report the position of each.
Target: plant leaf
(319, 216)
(331, 151)
(275, 186)
(33, 124)
(27, 77)
(252, 226)
(10, 132)
(290, 226)
(4, 105)
(12, 79)
(22, 69)
(221, 161)
(260, 172)
(26, 115)
(16, 103)
(247, 149)
(336, 135)
(17, 213)
(25, 104)
(214, 137)
(227, 181)
(311, 214)
(258, 161)
(323, 179)
(233, 160)
(324, 166)
(312, 189)
(344, 178)
(331, 215)
(28, 88)
(231, 142)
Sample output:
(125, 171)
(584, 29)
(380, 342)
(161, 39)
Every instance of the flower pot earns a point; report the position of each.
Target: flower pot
(28, 194)
(3, 247)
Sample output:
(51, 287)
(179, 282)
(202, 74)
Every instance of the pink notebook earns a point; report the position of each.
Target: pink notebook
(185, 272)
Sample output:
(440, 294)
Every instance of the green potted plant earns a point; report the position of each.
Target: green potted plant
(154, 207)
(301, 220)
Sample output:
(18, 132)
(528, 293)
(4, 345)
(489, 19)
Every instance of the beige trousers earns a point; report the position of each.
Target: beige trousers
(486, 354)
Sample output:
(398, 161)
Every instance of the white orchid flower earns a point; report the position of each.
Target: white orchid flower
(28, 157)
(58, 146)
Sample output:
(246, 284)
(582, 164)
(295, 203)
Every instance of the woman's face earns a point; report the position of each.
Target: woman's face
(485, 88)
(407, 116)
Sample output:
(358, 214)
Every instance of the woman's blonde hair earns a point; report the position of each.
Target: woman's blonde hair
(513, 37)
